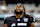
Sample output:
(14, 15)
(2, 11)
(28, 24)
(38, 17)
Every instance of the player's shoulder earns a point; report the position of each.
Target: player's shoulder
(26, 15)
(8, 18)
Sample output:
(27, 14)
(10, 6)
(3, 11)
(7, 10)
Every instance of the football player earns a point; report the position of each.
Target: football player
(20, 20)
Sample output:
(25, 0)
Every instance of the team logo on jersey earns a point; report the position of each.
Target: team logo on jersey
(25, 19)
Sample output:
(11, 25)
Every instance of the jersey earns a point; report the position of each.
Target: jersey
(25, 21)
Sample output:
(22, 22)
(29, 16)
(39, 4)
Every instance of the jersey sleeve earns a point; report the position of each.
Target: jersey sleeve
(32, 19)
(5, 21)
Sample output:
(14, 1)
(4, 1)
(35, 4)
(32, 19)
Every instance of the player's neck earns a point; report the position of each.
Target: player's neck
(19, 16)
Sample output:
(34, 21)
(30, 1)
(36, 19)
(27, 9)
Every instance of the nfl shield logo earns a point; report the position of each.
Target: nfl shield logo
(25, 19)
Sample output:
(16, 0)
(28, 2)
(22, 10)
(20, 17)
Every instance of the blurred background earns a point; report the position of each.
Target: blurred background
(32, 7)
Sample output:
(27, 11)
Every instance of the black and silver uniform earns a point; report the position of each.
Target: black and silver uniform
(25, 21)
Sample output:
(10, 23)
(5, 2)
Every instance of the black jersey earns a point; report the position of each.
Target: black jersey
(25, 21)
